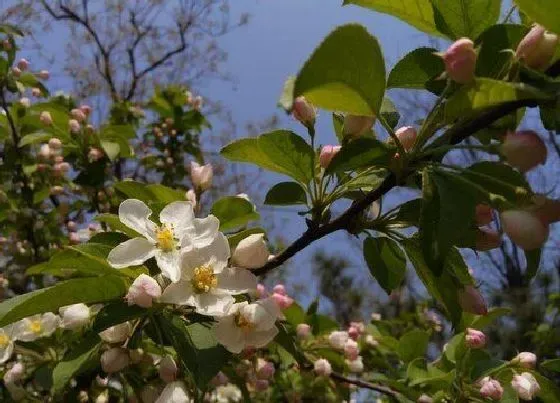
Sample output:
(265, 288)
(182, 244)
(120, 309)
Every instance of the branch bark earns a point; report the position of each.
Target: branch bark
(363, 384)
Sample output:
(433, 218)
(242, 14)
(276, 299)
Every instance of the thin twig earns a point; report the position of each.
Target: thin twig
(363, 384)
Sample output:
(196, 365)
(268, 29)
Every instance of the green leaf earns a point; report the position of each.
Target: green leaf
(485, 93)
(109, 238)
(338, 125)
(533, 258)
(34, 138)
(30, 81)
(85, 290)
(409, 213)
(481, 321)
(321, 324)
(418, 13)
(197, 348)
(239, 236)
(389, 112)
(286, 194)
(115, 313)
(386, 262)
(115, 223)
(413, 345)
(545, 12)
(550, 392)
(164, 194)
(279, 151)
(81, 358)
(354, 81)
(551, 365)
(294, 314)
(111, 149)
(234, 212)
(465, 18)
(287, 97)
(416, 69)
(361, 153)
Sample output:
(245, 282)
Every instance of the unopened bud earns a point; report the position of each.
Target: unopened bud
(322, 367)
(460, 61)
(525, 385)
(43, 74)
(537, 48)
(524, 150)
(524, 228)
(46, 118)
(304, 111)
(491, 389)
(78, 114)
(483, 214)
(475, 339)
(167, 369)
(303, 330)
(525, 359)
(23, 64)
(407, 136)
(74, 126)
(327, 154)
(201, 175)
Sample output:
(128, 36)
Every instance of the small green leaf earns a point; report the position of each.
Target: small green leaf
(34, 138)
(386, 262)
(85, 290)
(481, 321)
(389, 112)
(30, 81)
(234, 212)
(354, 81)
(286, 194)
(279, 151)
(338, 125)
(545, 12)
(115, 313)
(111, 149)
(418, 13)
(416, 69)
(551, 365)
(413, 345)
(465, 18)
(321, 324)
(294, 314)
(361, 153)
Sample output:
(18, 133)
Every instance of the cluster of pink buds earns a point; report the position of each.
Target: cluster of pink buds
(281, 297)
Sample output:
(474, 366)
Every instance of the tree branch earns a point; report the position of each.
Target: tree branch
(363, 384)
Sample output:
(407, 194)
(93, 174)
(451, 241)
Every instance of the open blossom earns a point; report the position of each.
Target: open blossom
(525, 385)
(248, 325)
(7, 339)
(491, 388)
(460, 61)
(356, 365)
(524, 150)
(327, 154)
(75, 316)
(37, 326)
(251, 253)
(304, 111)
(356, 126)
(322, 367)
(228, 393)
(526, 359)
(115, 359)
(537, 48)
(167, 369)
(117, 334)
(142, 291)
(338, 339)
(524, 228)
(179, 229)
(201, 175)
(206, 282)
(475, 339)
(351, 349)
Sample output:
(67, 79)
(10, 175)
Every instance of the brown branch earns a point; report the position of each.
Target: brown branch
(456, 134)
(363, 384)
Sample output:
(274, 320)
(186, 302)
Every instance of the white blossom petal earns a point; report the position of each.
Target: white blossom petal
(178, 214)
(135, 214)
(174, 392)
(214, 255)
(178, 293)
(131, 253)
(202, 233)
(260, 339)
(237, 281)
(169, 264)
(213, 304)
(263, 313)
(229, 335)
(6, 343)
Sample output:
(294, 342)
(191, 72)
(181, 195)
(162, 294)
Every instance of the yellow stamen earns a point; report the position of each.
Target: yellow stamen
(204, 279)
(242, 322)
(35, 326)
(4, 340)
(165, 238)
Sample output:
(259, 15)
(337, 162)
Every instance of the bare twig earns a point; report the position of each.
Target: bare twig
(363, 384)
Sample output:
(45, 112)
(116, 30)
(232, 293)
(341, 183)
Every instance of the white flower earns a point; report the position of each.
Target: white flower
(525, 385)
(6, 343)
(174, 392)
(338, 339)
(116, 334)
(201, 175)
(206, 281)
(167, 369)
(179, 229)
(114, 359)
(36, 326)
(355, 365)
(74, 316)
(142, 291)
(251, 252)
(248, 325)
(228, 393)
(322, 367)
(525, 359)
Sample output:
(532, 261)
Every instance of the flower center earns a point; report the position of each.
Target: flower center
(242, 322)
(4, 340)
(165, 238)
(35, 326)
(204, 279)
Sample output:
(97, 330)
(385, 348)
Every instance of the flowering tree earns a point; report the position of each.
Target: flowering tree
(129, 290)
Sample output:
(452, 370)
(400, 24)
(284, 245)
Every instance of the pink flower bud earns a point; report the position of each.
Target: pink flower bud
(261, 385)
(356, 126)
(74, 238)
(351, 349)
(264, 369)
(43, 74)
(167, 369)
(460, 61)
(114, 359)
(72, 226)
(525, 359)
(322, 367)
(74, 126)
(304, 111)
(46, 118)
(14, 374)
(23, 64)
(327, 154)
(261, 291)
(280, 289)
(491, 388)
(16, 71)
(475, 339)
(142, 291)
(471, 301)
(483, 214)
(407, 136)
(524, 150)
(547, 210)
(424, 399)
(36, 92)
(86, 109)
(338, 339)
(524, 228)
(190, 195)
(78, 114)
(54, 142)
(353, 333)
(525, 385)
(283, 301)
(201, 175)
(220, 379)
(44, 152)
(303, 330)
(487, 239)
(537, 48)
